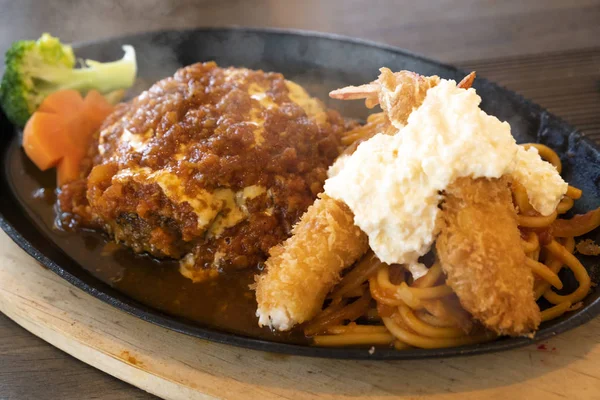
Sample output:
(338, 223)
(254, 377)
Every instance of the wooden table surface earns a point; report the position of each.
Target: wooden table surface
(549, 51)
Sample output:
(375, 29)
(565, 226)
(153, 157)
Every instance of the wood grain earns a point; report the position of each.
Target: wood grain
(566, 83)
(175, 366)
(30, 368)
(542, 49)
(449, 30)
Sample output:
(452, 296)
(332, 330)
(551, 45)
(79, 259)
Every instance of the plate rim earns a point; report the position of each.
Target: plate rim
(207, 333)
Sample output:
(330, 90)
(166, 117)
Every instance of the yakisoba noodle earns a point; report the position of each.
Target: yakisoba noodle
(392, 309)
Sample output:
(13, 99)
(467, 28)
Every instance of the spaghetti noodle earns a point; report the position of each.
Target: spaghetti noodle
(380, 304)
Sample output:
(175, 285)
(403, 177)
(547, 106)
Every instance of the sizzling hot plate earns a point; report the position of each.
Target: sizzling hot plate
(320, 63)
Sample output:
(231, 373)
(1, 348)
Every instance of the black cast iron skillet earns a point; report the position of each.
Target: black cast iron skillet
(320, 63)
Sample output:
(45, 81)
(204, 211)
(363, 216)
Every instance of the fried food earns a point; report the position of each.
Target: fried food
(494, 312)
(467, 81)
(588, 247)
(479, 248)
(484, 262)
(398, 93)
(376, 123)
(406, 82)
(302, 270)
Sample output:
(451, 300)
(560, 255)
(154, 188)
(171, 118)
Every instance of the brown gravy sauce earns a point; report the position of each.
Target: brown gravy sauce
(225, 303)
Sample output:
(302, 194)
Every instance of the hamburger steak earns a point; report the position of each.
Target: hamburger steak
(212, 166)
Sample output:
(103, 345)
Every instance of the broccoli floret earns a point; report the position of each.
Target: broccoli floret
(34, 69)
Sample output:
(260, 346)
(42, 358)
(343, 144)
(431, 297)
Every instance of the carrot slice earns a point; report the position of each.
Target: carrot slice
(43, 139)
(67, 169)
(63, 102)
(96, 108)
(79, 131)
(59, 133)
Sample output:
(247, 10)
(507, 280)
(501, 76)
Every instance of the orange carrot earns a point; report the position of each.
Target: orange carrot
(43, 141)
(59, 133)
(63, 102)
(79, 130)
(96, 108)
(67, 169)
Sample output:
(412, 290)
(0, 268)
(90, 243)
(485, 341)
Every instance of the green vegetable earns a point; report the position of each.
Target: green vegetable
(34, 69)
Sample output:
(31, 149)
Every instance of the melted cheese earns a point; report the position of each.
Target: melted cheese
(215, 211)
(234, 209)
(257, 120)
(311, 106)
(187, 268)
(259, 94)
(127, 140)
(136, 142)
(205, 205)
(229, 215)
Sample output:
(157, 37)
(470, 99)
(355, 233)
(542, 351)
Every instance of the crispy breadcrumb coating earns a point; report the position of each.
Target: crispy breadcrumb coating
(398, 93)
(588, 247)
(303, 269)
(479, 248)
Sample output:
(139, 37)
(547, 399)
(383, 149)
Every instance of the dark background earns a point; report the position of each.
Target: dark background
(448, 30)
(547, 50)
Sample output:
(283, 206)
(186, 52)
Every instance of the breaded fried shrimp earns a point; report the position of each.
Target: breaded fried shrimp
(303, 269)
(398, 93)
(479, 248)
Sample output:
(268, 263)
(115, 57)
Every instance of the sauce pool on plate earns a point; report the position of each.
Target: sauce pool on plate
(225, 303)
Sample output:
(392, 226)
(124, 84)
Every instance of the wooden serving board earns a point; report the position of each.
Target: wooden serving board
(176, 366)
